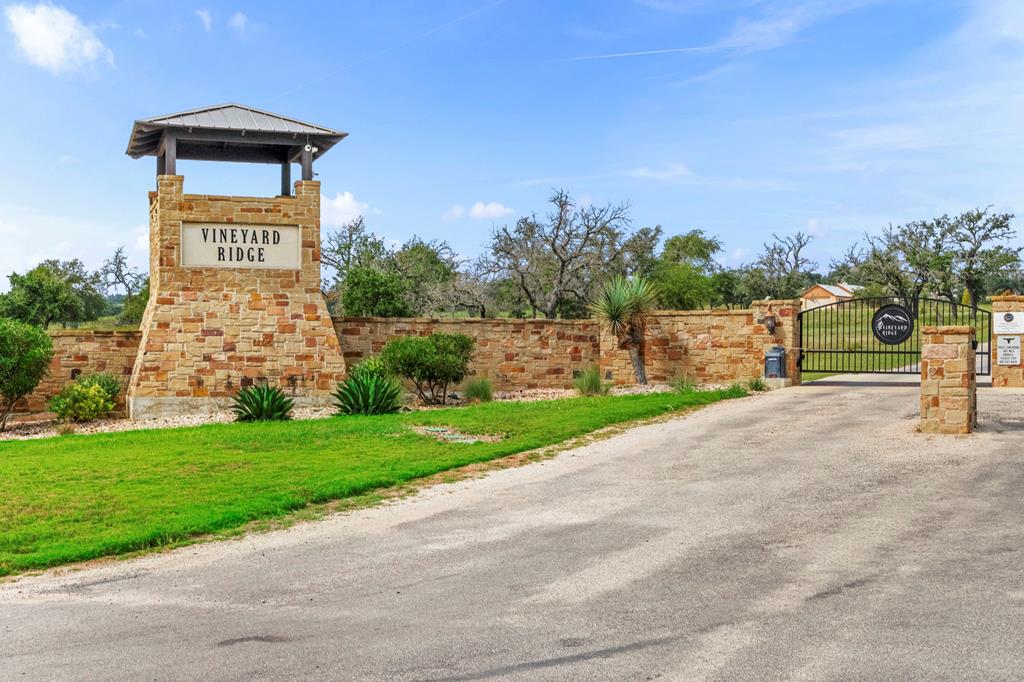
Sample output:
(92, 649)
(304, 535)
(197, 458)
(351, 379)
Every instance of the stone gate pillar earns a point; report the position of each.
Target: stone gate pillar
(1007, 335)
(949, 392)
(784, 316)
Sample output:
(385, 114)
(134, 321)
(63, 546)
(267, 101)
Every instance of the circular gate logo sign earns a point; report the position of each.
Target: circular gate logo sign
(892, 324)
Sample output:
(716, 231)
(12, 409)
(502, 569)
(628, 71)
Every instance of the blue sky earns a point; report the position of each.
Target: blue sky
(741, 117)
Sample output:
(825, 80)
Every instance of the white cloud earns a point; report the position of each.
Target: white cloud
(31, 235)
(696, 6)
(454, 212)
(478, 211)
(54, 39)
(780, 22)
(142, 239)
(205, 18)
(674, 171)
(239, 22)
(67, 159)
(492, 209)
(343, 208)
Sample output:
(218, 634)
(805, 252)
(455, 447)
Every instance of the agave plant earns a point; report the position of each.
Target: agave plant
(262, 403)
(623, 306)
(368, 393)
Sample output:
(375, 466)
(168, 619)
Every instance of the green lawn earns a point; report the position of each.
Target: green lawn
(73, 498)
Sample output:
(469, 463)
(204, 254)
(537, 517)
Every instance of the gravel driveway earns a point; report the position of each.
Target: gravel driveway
(805, 534)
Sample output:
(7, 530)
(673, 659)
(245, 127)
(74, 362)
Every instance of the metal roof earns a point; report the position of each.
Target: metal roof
(233, 125)
(838, 290)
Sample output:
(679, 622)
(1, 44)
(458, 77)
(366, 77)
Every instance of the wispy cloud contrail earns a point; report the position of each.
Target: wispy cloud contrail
(641, 53)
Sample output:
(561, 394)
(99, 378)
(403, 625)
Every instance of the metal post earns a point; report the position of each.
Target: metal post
(170, 154)
(307, 164)
(286, 179)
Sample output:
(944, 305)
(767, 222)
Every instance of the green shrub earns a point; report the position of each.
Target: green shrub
(364, 392)
(80, 402)
(372, 367)
(589, 382)
(105, 380)
(757, 384)
(262, 403)
(430, 363)
(682, 383)
(479, 390)
(25, 354)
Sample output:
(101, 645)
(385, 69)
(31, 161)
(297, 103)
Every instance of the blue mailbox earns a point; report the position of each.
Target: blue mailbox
(775, 363)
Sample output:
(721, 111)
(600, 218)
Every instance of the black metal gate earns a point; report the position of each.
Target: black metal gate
(840, 338)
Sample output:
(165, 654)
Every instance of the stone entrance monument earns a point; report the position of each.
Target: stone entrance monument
(234, 281)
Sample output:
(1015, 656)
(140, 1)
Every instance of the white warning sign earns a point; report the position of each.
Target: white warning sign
(1008, 350)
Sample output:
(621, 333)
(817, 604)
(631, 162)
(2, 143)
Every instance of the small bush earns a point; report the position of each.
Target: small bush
(757, 384)
(589, 382)
(479, 390)
(372, 367)
(364, 392)
(105, 380)
(683, 384)
(25, 354)
(430, 363)
(79, 402)
(65, 429)
(262, 403)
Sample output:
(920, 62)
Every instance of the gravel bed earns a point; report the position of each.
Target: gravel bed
(47, 428)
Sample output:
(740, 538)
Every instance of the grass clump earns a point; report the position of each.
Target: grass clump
(590, 383)
(757, 384)
(683, 384)
(479, 390)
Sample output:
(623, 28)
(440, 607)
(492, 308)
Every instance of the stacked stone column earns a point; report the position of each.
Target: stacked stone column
(949, 397)
(786, 317)
(1006, 376)
(208, 331)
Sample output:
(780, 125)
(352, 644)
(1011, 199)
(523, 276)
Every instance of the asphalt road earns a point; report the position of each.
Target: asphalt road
(805, 534)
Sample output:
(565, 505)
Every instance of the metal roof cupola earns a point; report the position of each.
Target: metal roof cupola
(232, 132)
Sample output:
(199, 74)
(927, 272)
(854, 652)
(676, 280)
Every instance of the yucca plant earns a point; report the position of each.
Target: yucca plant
(623, 306)
(262, 403)
(368, 393)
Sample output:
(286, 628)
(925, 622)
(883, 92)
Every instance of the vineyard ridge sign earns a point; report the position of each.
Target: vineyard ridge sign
(219, 245)
(892, 324)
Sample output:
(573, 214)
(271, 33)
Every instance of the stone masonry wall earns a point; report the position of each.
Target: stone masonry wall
(949, 392)
(207, 331)
(1005, 376)
(513, 354)
(710, 346)
(84, 352)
